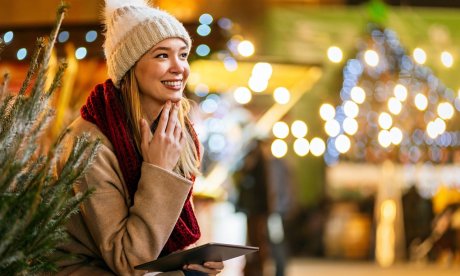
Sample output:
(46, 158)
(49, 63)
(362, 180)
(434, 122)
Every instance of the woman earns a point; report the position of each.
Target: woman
(142, 176)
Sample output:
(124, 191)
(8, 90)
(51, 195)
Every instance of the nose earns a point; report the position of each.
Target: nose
(177, 66)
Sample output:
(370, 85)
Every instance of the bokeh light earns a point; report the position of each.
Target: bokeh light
(335, 54)
(279, 148)
(280, 130)
(299, 129)
(301, 146)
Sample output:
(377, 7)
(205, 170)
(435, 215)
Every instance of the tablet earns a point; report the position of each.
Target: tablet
(210, 252)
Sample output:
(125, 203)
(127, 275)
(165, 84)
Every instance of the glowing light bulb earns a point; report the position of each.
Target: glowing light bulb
(419, 56)
(262, 69)
(317, 146)
(279, 148)
(242, 95)
(421, 102)
(327, 112)
(342, 143)
(280, 130)
(301, 146)
(445, 110)
(358, 95)
(371, 58)
(351, 109)
(384, 138)
(350, 126)
(257, 84)
(400, 92)
(396, 135)
(394, 105)
(299, 129)
(334, 54)
(447, 59)
(332, 128)
(281, 95)
(385, 120)
(246, 48)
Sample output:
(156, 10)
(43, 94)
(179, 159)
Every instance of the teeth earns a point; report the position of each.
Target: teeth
(173, 83)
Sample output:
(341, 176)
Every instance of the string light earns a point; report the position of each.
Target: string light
(332, 128)
(281, 95)
(371, 58)
(445, 110)
(384, 138)
(299, 129)
(205, 19)
(317, 146)
(396, 135)
(21, 54)
(351, 109)
(301, 146)
(280, 130)
(385, 120)
(334, 54)
(279, 148)
(80, 53)
(242, 95)
(91, 36)
(203, 30)
(63, 36)
(203, 50)
(400, 92)
(8, 37)
(263, 70)
(327, 112)
(419, 55)
(394, 106)
(358, 95)
(350, 126)
(421, 102)
(447, 59)
(246, 48)
(342, 143)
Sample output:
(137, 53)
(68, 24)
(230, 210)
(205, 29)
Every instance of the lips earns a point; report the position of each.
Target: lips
(173, 84)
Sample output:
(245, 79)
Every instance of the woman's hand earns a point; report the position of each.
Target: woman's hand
(209, 268)
(164, 149)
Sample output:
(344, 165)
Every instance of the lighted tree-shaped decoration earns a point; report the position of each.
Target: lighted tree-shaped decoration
(392, 107)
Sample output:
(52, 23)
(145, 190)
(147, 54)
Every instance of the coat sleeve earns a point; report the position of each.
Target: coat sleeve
(128, 236)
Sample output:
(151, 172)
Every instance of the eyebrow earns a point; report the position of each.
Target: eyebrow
(167, 49)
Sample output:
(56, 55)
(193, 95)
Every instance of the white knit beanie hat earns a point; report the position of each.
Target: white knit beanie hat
(132, 28)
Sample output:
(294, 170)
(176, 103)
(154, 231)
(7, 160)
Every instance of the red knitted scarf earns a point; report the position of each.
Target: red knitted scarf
(104, 109)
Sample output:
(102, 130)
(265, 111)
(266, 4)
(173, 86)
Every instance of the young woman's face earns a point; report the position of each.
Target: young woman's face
(162, 72)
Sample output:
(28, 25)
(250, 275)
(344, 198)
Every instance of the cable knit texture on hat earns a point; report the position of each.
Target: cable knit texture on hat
(132, 28)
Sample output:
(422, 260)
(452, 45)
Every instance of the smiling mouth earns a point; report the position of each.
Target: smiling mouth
(173, 84)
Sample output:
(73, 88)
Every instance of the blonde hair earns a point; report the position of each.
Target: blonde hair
(188, 164)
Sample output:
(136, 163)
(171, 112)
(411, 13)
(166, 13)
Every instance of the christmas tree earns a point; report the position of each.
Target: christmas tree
(392, 107)
(35, 203)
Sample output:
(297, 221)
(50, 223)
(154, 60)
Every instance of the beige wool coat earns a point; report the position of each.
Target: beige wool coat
(108, 235)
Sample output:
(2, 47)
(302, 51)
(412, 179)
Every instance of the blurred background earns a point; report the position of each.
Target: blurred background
(330, 128)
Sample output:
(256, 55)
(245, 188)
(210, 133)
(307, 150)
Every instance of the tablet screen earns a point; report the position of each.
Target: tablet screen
(198, 255)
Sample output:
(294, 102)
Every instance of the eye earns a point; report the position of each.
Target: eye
(184, 55)
(162, 55)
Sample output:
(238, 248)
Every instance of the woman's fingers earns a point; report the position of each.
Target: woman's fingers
(172, 122)
(202, 268)
(178, 133)
(214, 265)
(164, 118)
(145, 136)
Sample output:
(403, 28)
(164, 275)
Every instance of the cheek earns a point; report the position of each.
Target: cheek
(186, 71)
